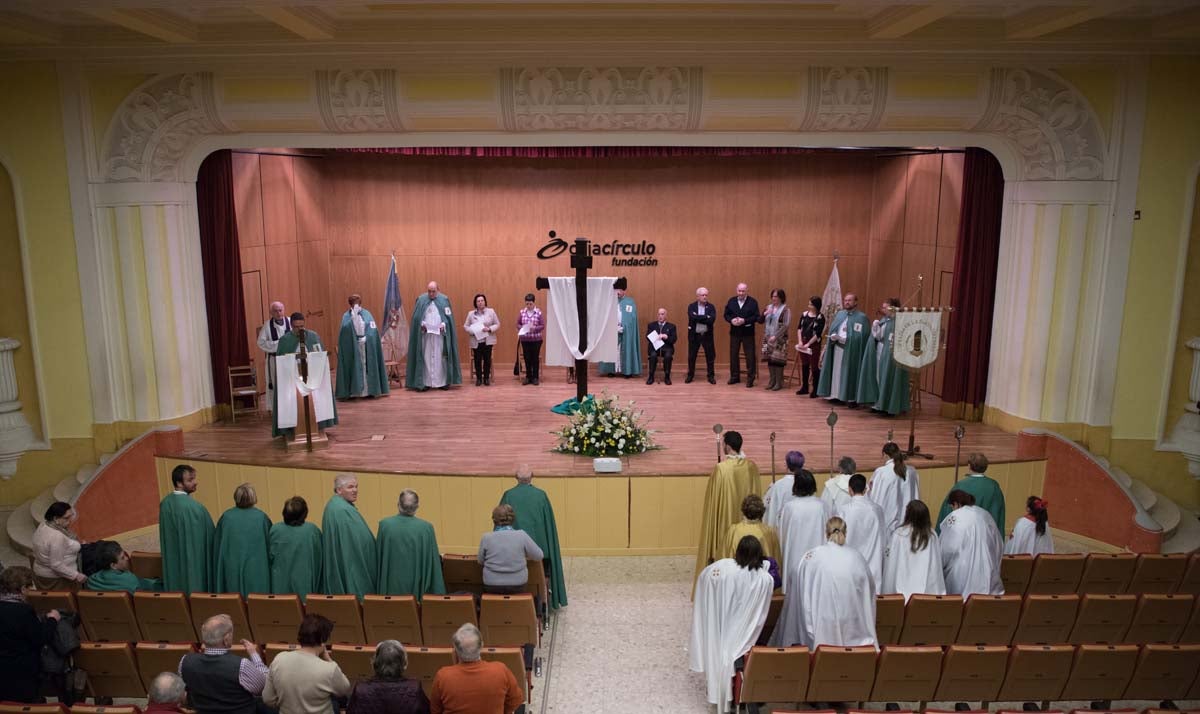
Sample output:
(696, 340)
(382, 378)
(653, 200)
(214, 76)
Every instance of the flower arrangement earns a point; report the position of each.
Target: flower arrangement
(602, 426)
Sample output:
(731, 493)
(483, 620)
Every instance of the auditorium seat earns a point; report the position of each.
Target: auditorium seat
(1103, 619)
(772, 617)
(889, 618)
(1056, 574)
(17, 708)
(972, 673)
(206, 605)
(355, 660)
(391, 617)
(1014, 573)
(512, 658)
(931, 619)
(442, 615)
(424, 662)
(989, 620)
(274, 618)
(1164, 672)
(155, 657)
(508, 620)
(1100, 672)
(1046, 619)
(462, 573)
(537, 586)
(271, 649)
(111, 669)
(43, 601)
(1160, 619)
(108, 616)
(105, 709)
(775, 674)
(146, 563)
(1191, 632)
(841, 674)
(1157, 573)
(1036, 673)
(345, 613)
(164, 617)
(1190, 584)
(1107, 573)
(907, 674)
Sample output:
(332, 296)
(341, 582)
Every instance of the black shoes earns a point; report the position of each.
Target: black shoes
(735, 380)
(687, 379)
(650, 380)
(750, 383)
(666, 380)
(712, 379)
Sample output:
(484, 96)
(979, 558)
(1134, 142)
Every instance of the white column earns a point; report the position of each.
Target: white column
(16, 436)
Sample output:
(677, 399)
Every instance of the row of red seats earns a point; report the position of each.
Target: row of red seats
(1101, 573)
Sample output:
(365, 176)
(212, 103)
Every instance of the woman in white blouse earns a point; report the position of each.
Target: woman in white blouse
(482, 325)
(56, 550)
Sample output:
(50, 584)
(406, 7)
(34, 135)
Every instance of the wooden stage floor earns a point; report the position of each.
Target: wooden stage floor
(487, 431)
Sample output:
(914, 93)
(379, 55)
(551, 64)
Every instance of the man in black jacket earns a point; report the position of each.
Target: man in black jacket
(668, 334)
(741, 312)
(702, 318)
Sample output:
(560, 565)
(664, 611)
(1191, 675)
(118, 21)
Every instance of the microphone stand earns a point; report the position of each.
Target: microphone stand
(772, 457)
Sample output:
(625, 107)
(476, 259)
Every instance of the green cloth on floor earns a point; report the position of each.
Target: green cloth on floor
(573, 405)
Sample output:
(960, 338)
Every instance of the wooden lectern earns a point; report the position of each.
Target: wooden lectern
(308, 434)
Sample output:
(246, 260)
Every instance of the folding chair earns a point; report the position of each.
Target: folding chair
(15, 708)
(1046, 619)
(442, 615)
(907, 674)
(1158, 573)
(1190, 584)
(111, 670)
(271, 649)
(1103, 619)
(772, 618)
(1015, 571)
(274, 618)
(1164, 672)
(206, 605)
(1100, 672)
(774, 674)
(392, 617)
(146, 563)
(355, 660)
(43, 601)
(538, 587)
(462, 573)
(972, 673)
(931, 619)
(889, 618)
(509, 620)
(164, 617)
(345, 613)
(1036, 673)
(512, 658)
(156, 657)
(1056, 574)
(841, 674)
(424, 662)
(108, 616)
(1107, 573)
(990, 619)
(1160, 619)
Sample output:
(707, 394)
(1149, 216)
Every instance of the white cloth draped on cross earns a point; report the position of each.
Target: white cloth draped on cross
(562, 322)
(288, 383)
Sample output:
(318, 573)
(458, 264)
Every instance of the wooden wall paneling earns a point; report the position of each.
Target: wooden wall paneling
(313, 274)
(921, 207)
(309, 207)
(247, 199)
(278, 200)
(283, 276)
(255, 310)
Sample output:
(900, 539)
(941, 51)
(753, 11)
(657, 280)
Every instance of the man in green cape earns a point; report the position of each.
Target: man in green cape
(241, 562)
(985, 489)
(629, 344)
(348, 549)
(409, 560)
(360, 370)
(185, 536)
(731, 481)
(294, 546)
(848, 333)
(115, 574)
(884, 383)
(535, 516)
(432, 344)
(289, 343)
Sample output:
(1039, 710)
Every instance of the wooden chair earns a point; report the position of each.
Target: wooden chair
(1107, 573)
(1056, 574)
(205, 605)
(1046, 619)
(108, 616)
(990, 619)
(1190, 584)
(1037, 673)
(509, 620)
(345, 613)
(1103, 619)
(1158, 573)
(164, 617)
(442, 615)
(1100, 672)
(907, 674)
(1164, 672)
(772, 618)
(972, 673)
(392, 617)
(1015, 571)
(512, 658)
(271, 649)
(355, 660)
(111, 669)
(931, 619)
(774, 674)
(889, 618)
(424, 662)
(274, 618)
(156, 657)
(146, 564)
(841, 674)
(243, 390)
(462, 573)
(1160, 619)
(43, 601)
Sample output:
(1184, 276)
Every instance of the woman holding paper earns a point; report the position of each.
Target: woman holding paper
(812, 325)
(531, 328)
(482, 325)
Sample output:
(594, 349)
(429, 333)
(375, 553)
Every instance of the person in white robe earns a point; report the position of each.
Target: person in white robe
(733, 596)
(801, 525)
(268, 341)
(780, 492)
(864, 527)
(1031, 533)
(893, 485)
(834, 600)
(971, 549)
(912, 561)
(836, 492)
(432, 335)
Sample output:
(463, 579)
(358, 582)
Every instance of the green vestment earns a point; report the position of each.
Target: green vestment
(987, 496)
(629, 342)
(348, 561)
(535, 516)
(731, 481)
(884, 383)
(409, 560)
(290, 344)
(240, 546)
(350, 376)
(295, 559)
(841, 367)
(415, 368)
(185, 535)
(111, 579)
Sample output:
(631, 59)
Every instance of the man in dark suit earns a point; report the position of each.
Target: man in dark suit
(741, 312)
(668, 334)
(702, 318)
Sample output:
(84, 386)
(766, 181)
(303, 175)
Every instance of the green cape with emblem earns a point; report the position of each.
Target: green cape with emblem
(883, 384)
(629, 341)
(842, 383)
(535, 516)
(348, 561)
(350, 377)
(409, 560)
(415, 368)
(185, 535)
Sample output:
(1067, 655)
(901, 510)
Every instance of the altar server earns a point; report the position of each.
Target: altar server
(1031, 534)
(801, 525)
(893, 485)
(971, 548)
(836, 492)
(848, 334)
(864, 527)
(348, 555)
(752, 525)
(912, 561)
(780, 492)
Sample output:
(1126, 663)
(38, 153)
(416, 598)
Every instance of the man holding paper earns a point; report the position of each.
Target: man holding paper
(661, 336)
(432, 344)
(289, 344)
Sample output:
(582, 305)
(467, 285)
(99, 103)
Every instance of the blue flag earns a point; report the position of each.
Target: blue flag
(395, 334)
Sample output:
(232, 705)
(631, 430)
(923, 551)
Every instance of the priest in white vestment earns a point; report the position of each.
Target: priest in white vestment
(864, 527)
(733, 596)
(833, 602)
(971, 548)
(893, 485)
(912, 560)
(1031, 533)
(801, 525)
(780, 492)
(836, 492)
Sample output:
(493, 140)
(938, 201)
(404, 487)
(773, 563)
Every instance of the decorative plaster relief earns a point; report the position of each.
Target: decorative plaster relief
(845, 98)
(601, 98)
(355, 101)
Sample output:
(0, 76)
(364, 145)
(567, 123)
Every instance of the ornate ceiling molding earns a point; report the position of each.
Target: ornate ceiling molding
(845, 98)
(601, 98)
(356, 101)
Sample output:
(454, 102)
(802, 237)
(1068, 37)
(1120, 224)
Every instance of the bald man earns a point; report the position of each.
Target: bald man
(702, 317)
(432, 343)
(268, 341)
(742, 313)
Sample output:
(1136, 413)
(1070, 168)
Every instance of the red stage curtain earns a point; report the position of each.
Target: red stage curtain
(222, 270)
(969, 343)
(589, 152)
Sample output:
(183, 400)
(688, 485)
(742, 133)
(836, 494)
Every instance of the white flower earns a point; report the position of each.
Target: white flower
(577, 448)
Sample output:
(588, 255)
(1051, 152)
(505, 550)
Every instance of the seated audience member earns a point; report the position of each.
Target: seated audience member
(752, 525)
(409, 560)
(218, 681)
(22, 636)
(294, 546)
(733, 596)
(801, 525)
(1031, 534)
(388, 692)
(167, 694)
(864, 527)
(833, 602)
(472, 686)
(56, 550)
(503, 554)
(241, 563)
(305, 681)
(114, 572)
(836, 491)
(912, 561)
(535, 516)
(971, 548)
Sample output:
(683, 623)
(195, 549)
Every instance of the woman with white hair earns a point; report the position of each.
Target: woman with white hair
(389, 691)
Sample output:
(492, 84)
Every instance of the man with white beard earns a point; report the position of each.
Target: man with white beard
(971, 548)
(864, 527)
